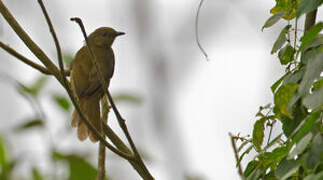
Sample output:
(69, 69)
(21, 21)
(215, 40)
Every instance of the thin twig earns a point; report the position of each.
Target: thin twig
(270, 131)
(58, 47)
(34, 48)
(24, 59)
(236, 153)
(122, 123)
(102, 154)
(197, 30)
(74, 99)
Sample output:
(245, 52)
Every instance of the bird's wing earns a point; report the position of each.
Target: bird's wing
(82, 67)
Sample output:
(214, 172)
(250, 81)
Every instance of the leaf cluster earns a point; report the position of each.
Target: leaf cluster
(296, 153)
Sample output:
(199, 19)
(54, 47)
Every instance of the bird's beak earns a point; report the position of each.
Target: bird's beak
(120, 33)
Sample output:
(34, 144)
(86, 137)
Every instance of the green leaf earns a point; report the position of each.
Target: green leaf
(315, 154)
(79, 168)
(273, 20)
(310, 177)
(316, 42)
(286, 54)
(307, 6)
(313, 70)
(36, 174)
(250, 167)
(242, 145)
(255, 174)
(258, 133)
(280, 41)
(287, 168)
(314, 100)
(35, 88)
(270, 159)
(318, 176)
(310, 35)
(306, 126)
(275, 140)
(318, 84)
(283, 96)
(247, 151)
(300, 146)
(287, 6)
(277, 83)
(128, 98)
(62, 102)
(2, 153)
(30, 124)
(294, 77)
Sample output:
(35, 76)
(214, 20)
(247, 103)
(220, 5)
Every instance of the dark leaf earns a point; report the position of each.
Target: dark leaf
(314, 100)
(272, 158)
(255, 175)
(286, 54)
(250, 167)
(316, 152)
(294, 77)
(307, 6)
(280, 41)
(310, 35)
(313, 70)
(316, 42)
(286, 168)
(300, 146)
(306, 126)
(272, 20)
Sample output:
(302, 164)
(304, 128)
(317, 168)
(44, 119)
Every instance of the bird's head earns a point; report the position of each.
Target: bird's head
(104, 36)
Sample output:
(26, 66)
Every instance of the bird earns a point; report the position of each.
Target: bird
(85, 80)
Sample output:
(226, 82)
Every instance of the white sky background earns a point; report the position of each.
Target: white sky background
(207, 99)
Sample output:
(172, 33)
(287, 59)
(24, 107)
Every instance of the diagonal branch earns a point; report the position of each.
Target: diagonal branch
(236, 154)
(34, 48)
(24, 59)
(27, 61)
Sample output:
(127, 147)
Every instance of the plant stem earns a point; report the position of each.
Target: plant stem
(102, 154)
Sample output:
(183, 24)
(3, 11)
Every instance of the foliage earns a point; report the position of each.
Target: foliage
(297, 153)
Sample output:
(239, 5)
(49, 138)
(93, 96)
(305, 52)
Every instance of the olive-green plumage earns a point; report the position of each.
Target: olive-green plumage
(85, 81)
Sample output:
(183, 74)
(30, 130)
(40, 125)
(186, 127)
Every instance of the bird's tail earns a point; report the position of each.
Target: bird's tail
(91, 108)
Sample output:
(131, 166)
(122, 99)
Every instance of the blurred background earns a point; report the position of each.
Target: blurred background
(179, 107)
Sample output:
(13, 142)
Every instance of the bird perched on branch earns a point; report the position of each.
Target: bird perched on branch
(85, 80)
